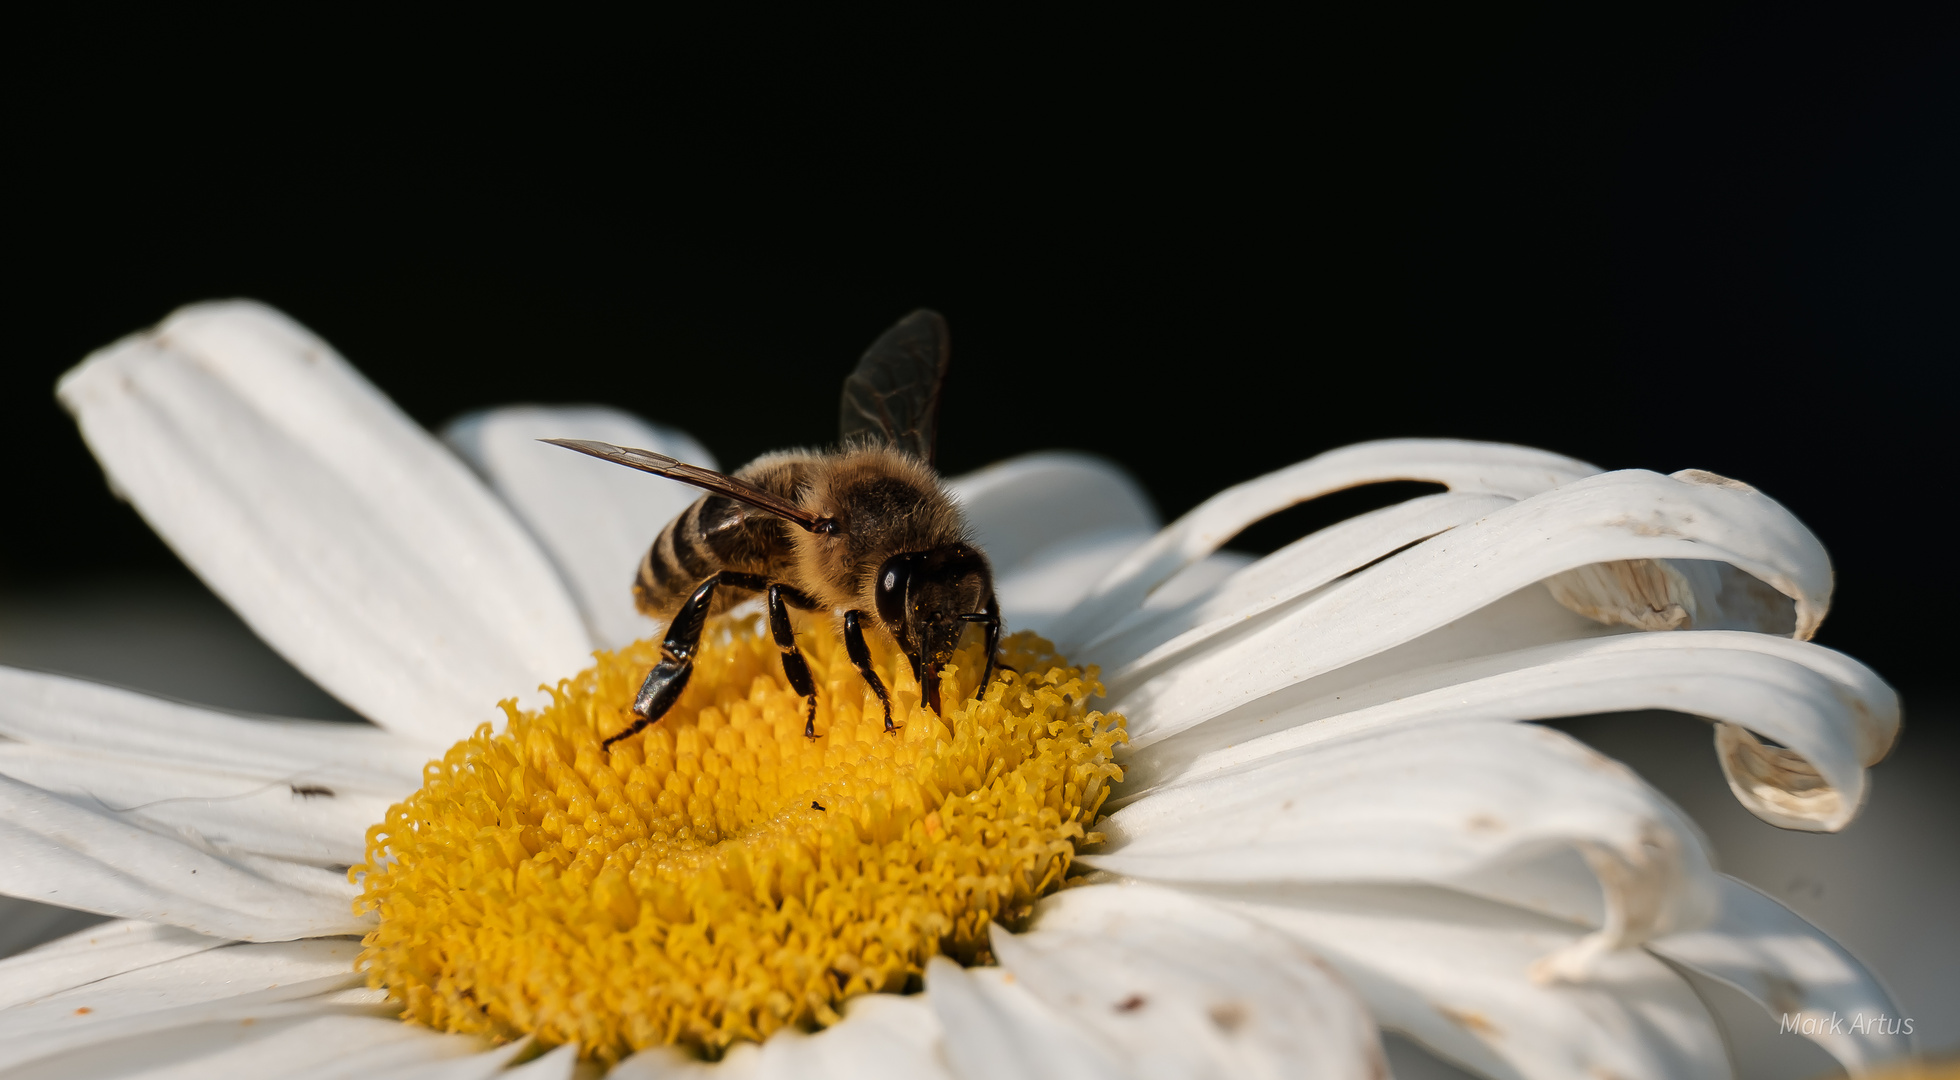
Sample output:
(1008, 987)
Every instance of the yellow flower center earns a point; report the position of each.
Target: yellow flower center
(720, 876)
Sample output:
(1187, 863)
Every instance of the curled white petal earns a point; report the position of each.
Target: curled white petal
(1489, 468)
(342, 533)
(1291, 572)
(595, 519)
(1620, 515)
(1798, 974)
(1184, 989)
(1674, 594)
(1834, 716)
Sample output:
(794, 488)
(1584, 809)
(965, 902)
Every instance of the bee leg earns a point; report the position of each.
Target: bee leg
(991, 619)
(668, 678)
(795, 668)
(861, 659)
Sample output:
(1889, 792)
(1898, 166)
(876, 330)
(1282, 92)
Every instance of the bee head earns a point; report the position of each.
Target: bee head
(926, 599)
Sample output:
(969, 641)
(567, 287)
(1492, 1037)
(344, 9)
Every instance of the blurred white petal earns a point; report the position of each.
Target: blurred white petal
(595, 519)
(996, 1030)
(343, 534)
(1024, 506)
(1454, 972)
(1793, 970)
(559, 1063)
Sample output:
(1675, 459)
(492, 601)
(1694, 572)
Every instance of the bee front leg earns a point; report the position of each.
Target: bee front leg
(990, 619)
(861, 659)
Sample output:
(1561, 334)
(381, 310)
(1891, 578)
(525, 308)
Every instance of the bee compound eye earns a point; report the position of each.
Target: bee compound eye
(892, 579)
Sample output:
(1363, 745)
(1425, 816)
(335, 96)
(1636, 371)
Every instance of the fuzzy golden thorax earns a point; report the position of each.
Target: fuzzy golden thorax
(885, 503)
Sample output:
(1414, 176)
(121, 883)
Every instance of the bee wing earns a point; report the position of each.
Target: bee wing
(676, 469)
(893, 396)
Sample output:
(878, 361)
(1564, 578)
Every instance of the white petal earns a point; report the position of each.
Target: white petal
(294, 789)
(1834, 715)
(94, 954)
(346, 536)
(289, 1040)
(996, 1030)
(70, 714)
(560, 1063)
(1184, 989)
(883, 1037)
(1291, 572)
(1795, 972)
(594, 518)
(1453, 972)
(1624, 515)
(55, 852)
(669, 1063)
(1481, 807)
(321, 819)
(1489, 468)
(228, 983)
(1022, 506)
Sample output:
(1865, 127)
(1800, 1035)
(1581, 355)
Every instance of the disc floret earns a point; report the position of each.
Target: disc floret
(720, 876)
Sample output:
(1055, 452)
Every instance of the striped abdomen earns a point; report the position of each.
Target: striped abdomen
(718, 533)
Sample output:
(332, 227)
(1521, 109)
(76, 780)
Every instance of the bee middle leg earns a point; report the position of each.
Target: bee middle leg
(861, 659)
(795, 668)
(669, 677)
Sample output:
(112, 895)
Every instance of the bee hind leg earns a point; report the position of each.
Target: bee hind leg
(861, 659)
(668, 678)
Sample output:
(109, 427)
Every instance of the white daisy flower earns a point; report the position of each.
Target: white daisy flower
(1330, 821)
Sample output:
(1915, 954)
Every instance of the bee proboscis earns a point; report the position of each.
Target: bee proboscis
(865, 530)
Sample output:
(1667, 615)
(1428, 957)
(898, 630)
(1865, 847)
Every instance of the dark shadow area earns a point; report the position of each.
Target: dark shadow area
(163, 634)
(1269, 535)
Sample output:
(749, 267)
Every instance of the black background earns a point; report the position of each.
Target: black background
(1717, 237)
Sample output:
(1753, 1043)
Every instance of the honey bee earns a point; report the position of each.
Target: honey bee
(865, 531)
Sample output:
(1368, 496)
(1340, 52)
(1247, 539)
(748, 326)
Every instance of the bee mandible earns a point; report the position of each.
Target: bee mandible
(866, 530)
